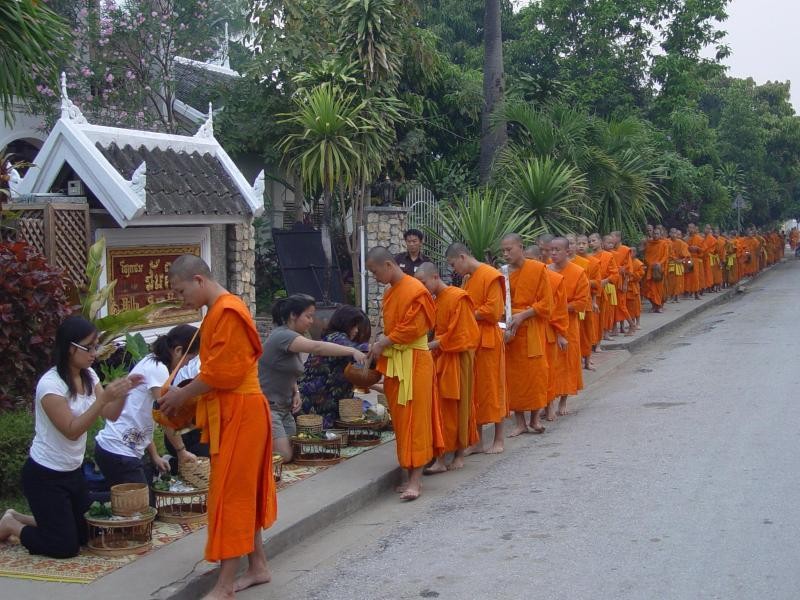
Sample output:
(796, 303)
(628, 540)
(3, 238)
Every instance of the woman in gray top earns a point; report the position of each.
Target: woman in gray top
(280, 366)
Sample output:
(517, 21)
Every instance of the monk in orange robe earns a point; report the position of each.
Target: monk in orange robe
(407, 366)
(711, 258)
(634, 297)
(557, 326)
(695, 276)
(569, 379)
(608, 283)
(719, 272)
(676, 278)
(526, 337)
(235, 420)
(622, 255)
(456, 336)
(589, 329)
(486, 287)
(656, 256)
(794, 238)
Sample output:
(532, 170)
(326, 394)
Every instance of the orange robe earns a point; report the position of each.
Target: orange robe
(676, 279)
(408, 315)
(526, 359)
(458, 336)
(590, 329)
(794, 238)
(695, 281)
(634, 298)
(235, 421)
(608, 270)
(719, 267)
(656, 252)
(711, 259)
(486, 288)
(625, 265)
(558, 324)
(568, 377)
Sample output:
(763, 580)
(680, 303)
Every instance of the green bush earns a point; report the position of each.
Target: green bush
(16, 433)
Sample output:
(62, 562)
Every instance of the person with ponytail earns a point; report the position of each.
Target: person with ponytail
(120, 446)
(69, 399)
(280, 366)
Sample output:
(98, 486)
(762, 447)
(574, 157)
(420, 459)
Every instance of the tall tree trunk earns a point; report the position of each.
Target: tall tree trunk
(492, 138)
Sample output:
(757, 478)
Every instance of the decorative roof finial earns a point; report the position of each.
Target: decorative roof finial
(207, 129)
(69, 112)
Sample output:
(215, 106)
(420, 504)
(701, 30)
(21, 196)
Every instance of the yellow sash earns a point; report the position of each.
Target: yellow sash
(582, 316)
(400, 364)
(676, 268)
(731, 261)
(611, 292)
(714, 259)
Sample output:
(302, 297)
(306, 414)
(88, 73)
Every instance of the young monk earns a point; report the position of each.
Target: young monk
(711, 263)
(609, 272)
(235, 419)
(407, 366)
(589, 339)
(656, 254)
(485, 286)
(695, 278)
(622, 254)
(456, 336)
(679, 255)
(526, 362)
(557, 325)
(634, 296)
(569, 379)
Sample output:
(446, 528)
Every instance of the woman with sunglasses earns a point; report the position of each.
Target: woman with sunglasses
(121, 445)
(68, 401)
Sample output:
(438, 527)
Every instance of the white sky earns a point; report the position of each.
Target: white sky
(762, 35)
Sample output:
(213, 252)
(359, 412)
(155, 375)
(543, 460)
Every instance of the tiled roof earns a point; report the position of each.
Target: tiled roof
(179, 183)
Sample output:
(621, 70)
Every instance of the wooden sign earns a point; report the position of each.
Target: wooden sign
(142, 275)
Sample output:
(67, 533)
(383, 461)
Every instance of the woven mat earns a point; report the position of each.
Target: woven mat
(86, 567)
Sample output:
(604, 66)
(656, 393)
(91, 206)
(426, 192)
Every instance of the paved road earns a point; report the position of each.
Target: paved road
(678, 478)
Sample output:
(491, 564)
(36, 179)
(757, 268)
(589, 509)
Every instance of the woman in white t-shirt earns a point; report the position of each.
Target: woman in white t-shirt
(69, 399)
(120, 446)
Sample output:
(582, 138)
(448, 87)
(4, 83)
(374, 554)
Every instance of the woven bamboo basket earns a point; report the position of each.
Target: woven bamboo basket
(121, 537)
(351, 409)
(277, 467)
(128, 499)
(316, 452)
(197, 473)
(343, 435)
(309, 423)
(182, 507)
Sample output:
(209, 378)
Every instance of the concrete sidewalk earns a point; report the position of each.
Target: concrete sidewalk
(177, 571)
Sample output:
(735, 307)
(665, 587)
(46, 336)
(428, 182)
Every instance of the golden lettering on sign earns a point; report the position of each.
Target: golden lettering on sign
(128, 268)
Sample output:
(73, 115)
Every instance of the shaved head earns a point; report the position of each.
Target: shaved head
(457, 249)
(427, 269)
(545, 239)
(379, 254)
(514, 238)
(532, 251)
(187, 266)
(562, 241)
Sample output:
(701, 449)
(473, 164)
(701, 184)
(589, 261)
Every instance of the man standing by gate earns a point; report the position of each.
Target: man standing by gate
(413, 257)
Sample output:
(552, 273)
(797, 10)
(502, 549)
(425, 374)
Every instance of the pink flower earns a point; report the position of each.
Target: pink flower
(140, 114)
(154, 14)
(86, 71)
(110, 78)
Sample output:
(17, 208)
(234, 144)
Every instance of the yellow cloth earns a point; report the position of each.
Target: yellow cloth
(714, 259)
(400, 364)
(611, 292)
(731, 261)
(582, 316)
(676, 268)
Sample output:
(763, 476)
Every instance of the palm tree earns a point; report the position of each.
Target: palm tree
(369, 31)
(493, 135)
(480, 219)
(33, 38)
(552, 193)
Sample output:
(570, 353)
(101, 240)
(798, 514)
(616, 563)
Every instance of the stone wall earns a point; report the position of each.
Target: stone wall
(241, 262)
(385, 227)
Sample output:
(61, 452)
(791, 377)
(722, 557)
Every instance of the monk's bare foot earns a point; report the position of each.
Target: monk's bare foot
(250, 578)
(219, 595)
(411, 494)
(476, 449)
(401, 488)
(590, 367)
(435, 468)
(497, 448)
(630, 332)
(458, 463)
(562, 408)
(518, 430)
(550, 415)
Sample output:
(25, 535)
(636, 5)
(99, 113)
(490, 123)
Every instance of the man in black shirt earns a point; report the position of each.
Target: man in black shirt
(413, 257)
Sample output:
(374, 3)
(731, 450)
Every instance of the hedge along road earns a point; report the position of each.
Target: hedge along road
(676, 478)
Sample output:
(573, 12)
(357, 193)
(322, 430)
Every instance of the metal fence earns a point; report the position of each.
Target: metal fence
(422, 214)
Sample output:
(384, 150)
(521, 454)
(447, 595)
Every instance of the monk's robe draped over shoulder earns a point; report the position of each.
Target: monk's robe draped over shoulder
(568, 372)
(458, 336)
(711, 262)
(526, 360)
(608, 295)
(623, 257)
(408, 315)
(235, 421)
(590, 326)
(557, 325)
(695, 281)
(486, 288)
(656, 252)
(634, 298)
(676, 280)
